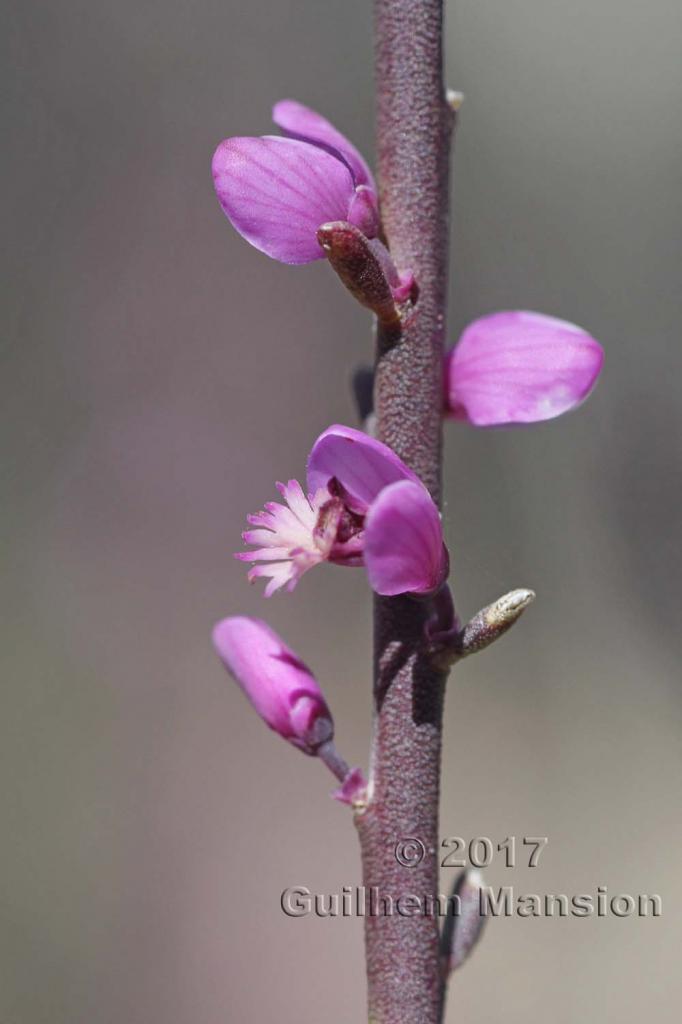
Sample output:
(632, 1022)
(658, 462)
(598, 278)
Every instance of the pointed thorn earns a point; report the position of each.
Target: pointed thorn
(464, 925)
(454, 99)
(494, 620)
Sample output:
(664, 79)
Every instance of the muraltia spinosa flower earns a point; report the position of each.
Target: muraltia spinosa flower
(278, 191)
(280, 687)
(363, 507)
(519, 367)
(290, 197)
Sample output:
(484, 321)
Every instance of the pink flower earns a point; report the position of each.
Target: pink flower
(280, 687)
(363, 507)
(519, 367)
(277, 191)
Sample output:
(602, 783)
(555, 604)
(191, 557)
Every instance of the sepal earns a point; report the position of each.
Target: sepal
(355, 260)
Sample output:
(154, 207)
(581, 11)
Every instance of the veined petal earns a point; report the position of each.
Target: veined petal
(404, 550)
(363, 211)
(362, 465)
(520, 367)
(280, 687)
(300, 122)
(277, 192)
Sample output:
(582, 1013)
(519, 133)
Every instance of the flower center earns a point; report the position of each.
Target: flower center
(338, 529)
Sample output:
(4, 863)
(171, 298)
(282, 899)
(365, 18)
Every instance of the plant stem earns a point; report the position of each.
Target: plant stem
(414, 127)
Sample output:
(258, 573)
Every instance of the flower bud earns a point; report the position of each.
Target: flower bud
(279, 685)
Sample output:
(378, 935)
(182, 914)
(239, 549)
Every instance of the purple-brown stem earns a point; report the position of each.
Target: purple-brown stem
(414, 127)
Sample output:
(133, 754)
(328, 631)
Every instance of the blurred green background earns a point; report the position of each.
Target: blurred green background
(158, 375)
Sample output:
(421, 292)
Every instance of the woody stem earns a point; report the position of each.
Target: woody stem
(414, 127)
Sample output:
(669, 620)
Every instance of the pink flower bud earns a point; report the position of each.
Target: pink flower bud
(281, 688)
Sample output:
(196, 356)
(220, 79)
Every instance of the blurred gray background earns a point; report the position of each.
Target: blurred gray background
(159, 375)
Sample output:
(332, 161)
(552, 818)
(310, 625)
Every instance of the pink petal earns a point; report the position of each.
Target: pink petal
(280, 687)
(363, 211)
(301, 122)
(362, 465)
(520, 367)
(277, 192)
(404, 551)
